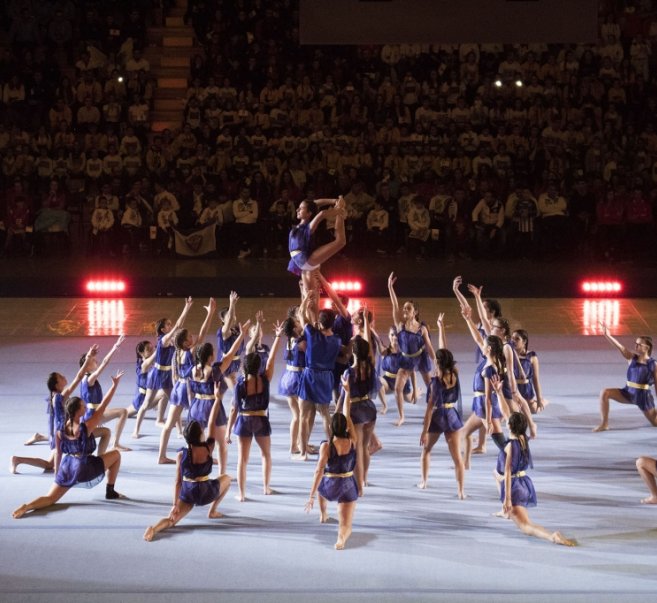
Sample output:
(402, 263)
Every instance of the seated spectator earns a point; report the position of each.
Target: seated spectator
(419, 222)
(488, 220)
(554, 224)
(167, 220)
(610, 226)
(102, 223)
(245, 211)
(281, 217)
(132, 225)
(378, 229)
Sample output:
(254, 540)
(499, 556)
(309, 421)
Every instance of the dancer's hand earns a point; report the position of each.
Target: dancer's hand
(227, 438)
(212, 306)
(440, 320)
(116, 378)
(345, 383)
(603, 327)
(278, 328)
(189, 302)
(309, 505)
(119, 341)
(244, 327)
(507, 506)
(232, 298)
(476, 291)
(260, 317)
(497, 383)
(456, 283)
(423, 439)
(489, 427)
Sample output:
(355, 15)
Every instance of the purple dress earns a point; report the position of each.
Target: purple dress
(179, 394)
(415, 356)
(224, 345)
(142, 382)
(299, 243)
(445, 417)
(338, 483)
(522, 487)
(478, 393)
(196, 489)
(388, 368)
(317, 378)
(295, 361)
(363, 409)
(526, 384)
(92, 396)
(202, 401)
(159, 375)
(79, 466)
(56, 416)
(640, 379)
(252, 410)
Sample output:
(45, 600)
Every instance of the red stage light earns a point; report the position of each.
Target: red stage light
(106, 286)
(607, 286)
(349, 285)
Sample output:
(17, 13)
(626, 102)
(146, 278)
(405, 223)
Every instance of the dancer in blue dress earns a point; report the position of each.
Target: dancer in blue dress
(145, 359)
(442, 415)
(160, 381)
(414, 344)
(60, 390)
(75, 463)
(249, 415)
(334, 475)
(388, 367)
(183, 362)
(193, 486)
(304, 260)
(92, 394)
(517, 491)
(641, 377)
(227, 333)
(295, 361)
(527, 377)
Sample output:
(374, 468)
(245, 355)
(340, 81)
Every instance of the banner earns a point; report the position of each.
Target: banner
(198, 242)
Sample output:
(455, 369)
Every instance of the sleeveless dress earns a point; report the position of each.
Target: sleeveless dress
(415, 357)
(295, 361)
(252, 410)
(197, 488)
(56, 417)
(179, 393)
(522, 487)
(445, 417)
(202, 401)
(224, 345)
(479, 398)
(79, 466)
(388, 368)
(159, 375)
(299, 241)
(317, 377)
(363, 409)
(142, 382)
(526, 384)
(338, 483)
(92, 396)
(640, 380)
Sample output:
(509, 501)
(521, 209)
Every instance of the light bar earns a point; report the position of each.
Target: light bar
(350, 286)
(601, 287)
(105, 286)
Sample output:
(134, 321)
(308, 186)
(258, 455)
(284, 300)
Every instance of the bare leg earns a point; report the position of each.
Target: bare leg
(55, 493)
(37, 437)
(400, 381)
(307, 412)
(520, 517)
(323, 510)
(471, 425)
(651, 415)
(323, 410)
(368, 433)
(121, 414)
(382, 397)
(425, 459)
(293, 403)
(219, 434)
(112, 462)
(244, 446)
(481, 444)
(224, 486)
(345, 518)
(454, 445)
(605, 396)
(182, 509)
(323, 253)
(360, 452)
(46, 465)
(172, 419)
(265, 451)
(103, 434)
(141, 413)
(161, 407)
(375, 444)
(647, 468)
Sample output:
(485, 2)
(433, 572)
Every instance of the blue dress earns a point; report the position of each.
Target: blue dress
(522, 487)
(344, 329)
(363, 393)
(414, 355)
(252, 410)
(478, 392)
(159, 375)
(56, 416)
(195, 488)
(142, 382)
(92, 396)
(79, 466)
(179, 393)
(640, 380)
(340, 489)
(224, 345)
(295, 361)
(526, 385)
(202, 401)
(299, 242)
(263, 351)
(445, 417)
(388, 368)
(317, 378)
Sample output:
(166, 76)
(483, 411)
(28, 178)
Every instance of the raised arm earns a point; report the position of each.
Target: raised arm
(466, 312)
(230, 318)
(617, 344)
(308, 309)
(230, 354)
(168, 338)
(255, 334)
(367, 336)
(396, 314)
(442, 337)
(271, 361)
(507, 505)
(105, 361)
(178, 483)
(70, 388)
(211, 309)
(95, 420)
(481, 309)
(335, 298)
(456, 284)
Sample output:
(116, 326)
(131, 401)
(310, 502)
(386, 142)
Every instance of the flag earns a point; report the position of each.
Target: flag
(197, 242)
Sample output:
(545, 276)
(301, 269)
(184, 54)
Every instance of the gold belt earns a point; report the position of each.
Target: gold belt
(450, 405)
(92, 406)
(519, 474)
(348, 474)
(629, 384)
(160, 367)
(391, 375)
(204, 396)
(203, 478)
(182, 380)
(414, 354)
(142, 390)
(522, 381)
(77, 455)
(477, 393)
(295, 252)
(294, 369)
(360, 399)
(254, 413)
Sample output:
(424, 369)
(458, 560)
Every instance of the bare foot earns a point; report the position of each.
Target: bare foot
(479, 450)
(166, 461)
(384, 410)
(300, 457)
(559, 538)
(18, 513)
(399, 422)
(122, 447)
(268, 491)
(601, 427)
(323, 517)
(339, 545)
(461, 495)
(310, 449)
(651, 500)
(215, 515)
(135, 435)
(149, 533)
(37, 437)
(466, 465)
(422, 485)
(501, 514)
(159, 423)
(375, 448)
(240, 497)
(13, 465)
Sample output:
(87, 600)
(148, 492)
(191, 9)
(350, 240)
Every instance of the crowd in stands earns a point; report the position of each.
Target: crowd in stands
(471, 150)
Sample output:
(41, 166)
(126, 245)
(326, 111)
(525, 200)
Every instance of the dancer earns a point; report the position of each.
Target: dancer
(641, 376)
(227, 333)
(414, 344)
(303, 258)
(92, 394)
(145, 359)
(390, 359)
(322, 349)
(529, 385)
(60, 390)
(160, 381)
(193, 485)
(183, 363)
(517, 492)
(334, 474)
(249, 416)
(255, 343)
(207, 386)
(295, 361)
(78, 465)
(442, 415)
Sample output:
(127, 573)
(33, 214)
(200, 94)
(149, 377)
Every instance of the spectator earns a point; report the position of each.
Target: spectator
(245, 211)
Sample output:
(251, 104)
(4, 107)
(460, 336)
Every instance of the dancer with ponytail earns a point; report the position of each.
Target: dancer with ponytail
(76, 464)
(527, 379)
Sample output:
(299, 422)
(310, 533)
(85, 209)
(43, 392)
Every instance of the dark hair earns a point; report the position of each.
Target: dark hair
(311, 206)
(524, 336)
(222, 314)
(141, 347)
(339, 426)
(83, 359)
(326, 319)
(494, 307)
(159, 326)
(505, 325)
(497, 352)
(181, 336)
(203, 353)
(289, 324)
(445, 361)
(415, 306)
(193, 432)
(292, 311)
(51, 382)
(361, 351)
(251, 364)
(648, 341)
(518, 427)
(72, 407)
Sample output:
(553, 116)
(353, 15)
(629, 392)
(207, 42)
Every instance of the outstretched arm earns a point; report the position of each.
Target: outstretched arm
(211, 308)
(70, 388)
(230, 318)
(335, 298)
(617, 344)
(396, 314)
(456, 283)
(271, 361)
(346, 410)
(168, 338)
(97, 417)
(442, 337)
(230, 354)
(101, 367)
(481, 309)
(255, 334)
(476, 335)
(319, 472)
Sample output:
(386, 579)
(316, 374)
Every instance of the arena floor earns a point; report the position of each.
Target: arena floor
(407, 544)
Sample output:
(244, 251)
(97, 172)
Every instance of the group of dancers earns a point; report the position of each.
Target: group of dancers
(334, 360)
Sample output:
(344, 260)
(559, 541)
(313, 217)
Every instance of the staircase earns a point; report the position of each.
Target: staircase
(169, 52)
